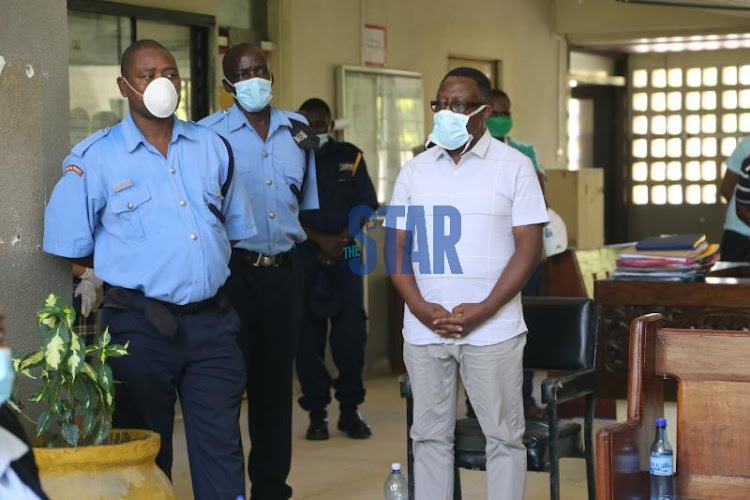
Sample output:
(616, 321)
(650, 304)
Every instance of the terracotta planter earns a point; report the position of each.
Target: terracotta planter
(123, 469)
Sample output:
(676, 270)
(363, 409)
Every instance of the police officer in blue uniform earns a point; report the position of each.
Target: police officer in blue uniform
(153, 203)
(333, 292)
(276, 165)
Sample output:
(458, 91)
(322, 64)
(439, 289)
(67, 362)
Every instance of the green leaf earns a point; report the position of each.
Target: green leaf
(104, 339)
(51, 300)
(55, 350)
(88, 423)
(70, 433)
(69, 314)
(39, 394)
(102, 432)
(75, 359)
(45, 419)
(117, 350)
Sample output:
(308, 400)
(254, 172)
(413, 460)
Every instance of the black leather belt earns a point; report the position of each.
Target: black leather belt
(257, 259)
(191, 308)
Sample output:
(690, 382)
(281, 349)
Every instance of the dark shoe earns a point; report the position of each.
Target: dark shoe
(354, 426)
(318, 429)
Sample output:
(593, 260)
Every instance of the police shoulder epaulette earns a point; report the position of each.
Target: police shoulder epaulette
(213, 119)
(81, 148)
(303, 135)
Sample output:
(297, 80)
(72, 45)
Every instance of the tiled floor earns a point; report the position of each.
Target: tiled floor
(346, 469)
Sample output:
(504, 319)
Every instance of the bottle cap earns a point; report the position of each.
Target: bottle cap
(396, 466)
(661, 422)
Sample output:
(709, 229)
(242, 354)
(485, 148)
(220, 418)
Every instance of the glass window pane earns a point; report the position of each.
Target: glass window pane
(659, 125)
(693, 147)
(640, 194)
(745, 122)
(693, 101)
(640, 148)
(728, 144)
(659, 78)
(674, 125)
(640, 125)
(708, 124)
(96, 42)
(675, 77)
(709, 147)
(709, 171)
(709, 193)
(674, 147)
(710, 77)
(693, 77)
(640, 171)
(744, 75)
(674, 101)
(693, 171)
(659, 195)
(729, 75)
(729, 123)
(674, 171)
(744, 100)
(659, 148)
(640, 101)
(177, 39)
(658, 171)
(729, 99)
(693, 194)
(709, 100)
(693, 124)
(659, 101)
(674, 194)
(640, 78)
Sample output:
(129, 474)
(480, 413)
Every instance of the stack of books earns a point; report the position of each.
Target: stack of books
(676, 257)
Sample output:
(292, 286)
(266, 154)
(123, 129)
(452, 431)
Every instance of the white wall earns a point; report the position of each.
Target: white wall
(315, 36)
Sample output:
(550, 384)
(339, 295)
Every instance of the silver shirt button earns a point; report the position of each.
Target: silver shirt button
(193, 236)
(172, 170)
(183, 203)
(269, 182)
(265, 154)
(272, 215)
(130, 206)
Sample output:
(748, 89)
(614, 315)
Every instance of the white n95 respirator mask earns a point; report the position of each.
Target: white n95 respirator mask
(160, 97)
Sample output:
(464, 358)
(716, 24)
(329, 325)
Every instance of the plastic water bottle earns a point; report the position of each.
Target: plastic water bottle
(661, 464)
(395, 485)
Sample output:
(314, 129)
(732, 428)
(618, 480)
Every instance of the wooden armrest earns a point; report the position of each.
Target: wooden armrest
(622, 461)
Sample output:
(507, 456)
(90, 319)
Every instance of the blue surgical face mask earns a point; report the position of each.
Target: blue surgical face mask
(6, 375)
(450, 131)
(322, 140)
(253, 94)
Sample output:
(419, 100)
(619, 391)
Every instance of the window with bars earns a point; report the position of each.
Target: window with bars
(684, 123)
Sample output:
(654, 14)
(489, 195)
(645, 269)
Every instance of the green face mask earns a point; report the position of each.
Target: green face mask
(499, 126)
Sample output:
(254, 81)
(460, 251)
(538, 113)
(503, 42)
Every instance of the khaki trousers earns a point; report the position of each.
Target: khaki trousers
(493, 377)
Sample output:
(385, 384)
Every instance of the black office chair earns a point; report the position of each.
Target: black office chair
(562, 336)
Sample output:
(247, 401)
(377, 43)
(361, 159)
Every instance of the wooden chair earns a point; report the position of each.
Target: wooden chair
(713, 406)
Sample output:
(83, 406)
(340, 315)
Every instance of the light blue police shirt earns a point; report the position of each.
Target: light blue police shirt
(267, 170)
(146, 218)
(734, 163)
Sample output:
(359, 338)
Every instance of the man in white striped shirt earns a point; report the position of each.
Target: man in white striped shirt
(467, 318)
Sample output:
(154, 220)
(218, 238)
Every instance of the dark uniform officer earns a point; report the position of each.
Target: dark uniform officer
(333, 292)
(153, 201)
(279, 174)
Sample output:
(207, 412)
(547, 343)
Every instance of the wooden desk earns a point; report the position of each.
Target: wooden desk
(683, 305)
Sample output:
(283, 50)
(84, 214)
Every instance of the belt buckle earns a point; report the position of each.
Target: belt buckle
(268, 260)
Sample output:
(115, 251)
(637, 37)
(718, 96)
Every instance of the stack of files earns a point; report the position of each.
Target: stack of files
(667, 258)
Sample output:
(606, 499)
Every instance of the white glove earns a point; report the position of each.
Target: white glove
(88, 289)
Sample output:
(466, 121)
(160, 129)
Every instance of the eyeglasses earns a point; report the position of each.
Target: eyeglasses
(456, 106)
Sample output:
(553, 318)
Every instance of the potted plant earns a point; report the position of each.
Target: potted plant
(78, 453)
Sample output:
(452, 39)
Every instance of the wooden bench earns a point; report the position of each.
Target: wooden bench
(713, 378)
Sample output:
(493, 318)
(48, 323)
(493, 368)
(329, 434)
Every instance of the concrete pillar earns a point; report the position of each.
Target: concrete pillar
(33, 142)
